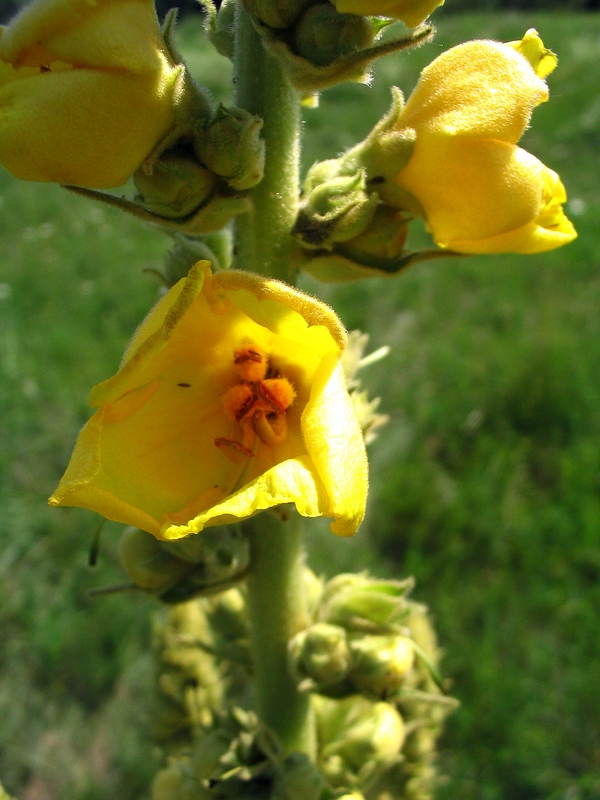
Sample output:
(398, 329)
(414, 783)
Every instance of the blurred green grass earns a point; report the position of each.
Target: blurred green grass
(486, 484)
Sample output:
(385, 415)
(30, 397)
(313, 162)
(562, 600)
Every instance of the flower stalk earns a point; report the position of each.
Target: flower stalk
(262, 236)
(277, 611)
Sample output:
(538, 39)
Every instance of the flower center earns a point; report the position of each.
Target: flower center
(258, 402)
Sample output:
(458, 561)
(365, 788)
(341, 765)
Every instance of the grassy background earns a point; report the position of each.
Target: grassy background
(486, 485)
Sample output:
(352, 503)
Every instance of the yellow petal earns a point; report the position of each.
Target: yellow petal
(542, 60)
(480, 88)
(118, 34)
(335, 443)
(84, 127)
(484, 195)
(293, 481)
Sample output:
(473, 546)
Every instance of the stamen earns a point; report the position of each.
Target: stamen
(234, 450)
(257, 403)
(251, 363)
(271, 431)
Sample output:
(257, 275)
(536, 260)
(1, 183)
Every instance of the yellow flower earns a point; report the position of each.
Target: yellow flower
(479, 191)
(231, 399)
(411, 12)
(86, 90)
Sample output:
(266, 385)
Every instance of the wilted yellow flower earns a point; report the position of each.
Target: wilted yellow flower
(86, 90)
(231, 399)
(411, 12)
(480, 192)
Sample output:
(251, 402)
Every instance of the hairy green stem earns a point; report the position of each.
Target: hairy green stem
(277, 610)
(262, 240)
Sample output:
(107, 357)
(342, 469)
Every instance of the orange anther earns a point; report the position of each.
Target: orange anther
(278, 391)
(251, 363)
(238, 400)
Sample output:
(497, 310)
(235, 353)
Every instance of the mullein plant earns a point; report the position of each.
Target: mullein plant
(237, 412)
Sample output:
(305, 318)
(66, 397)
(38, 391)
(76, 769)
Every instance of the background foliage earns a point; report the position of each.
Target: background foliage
(486, 484)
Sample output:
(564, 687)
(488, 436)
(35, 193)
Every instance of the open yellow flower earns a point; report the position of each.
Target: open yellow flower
(411, 12)
(480, 192)
(86, 90)
(231, 399)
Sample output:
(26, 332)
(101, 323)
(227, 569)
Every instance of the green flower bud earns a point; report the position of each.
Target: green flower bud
(297, 778)
(381, 242)
(335, 211)
(322, 34)
(380, 663)
(231, 146)
(320, 654)
(147, 562)
(219, 555)
(360, 603)
(277, 14)
(358, 737)
(177, 185)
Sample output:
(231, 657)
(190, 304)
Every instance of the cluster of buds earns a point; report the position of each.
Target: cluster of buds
(450, 156)
(377, 707)
(357, 642)
(236, 758)
(189, 680)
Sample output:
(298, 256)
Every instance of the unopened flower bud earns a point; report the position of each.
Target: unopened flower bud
(336, 210)
(320, 653)
(231, 146)
(380, 663)
(277, 14)
(322, 34)
(147, 562)
(381, 241)
(357, 602)
(177, 185)
(357, 737)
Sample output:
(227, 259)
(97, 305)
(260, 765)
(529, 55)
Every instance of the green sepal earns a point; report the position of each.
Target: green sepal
(168, 32)
(188, 250)
(219, 27)
(336, 268)
(231, 146)
(387, 149)
(309, 78)
(207, 218)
